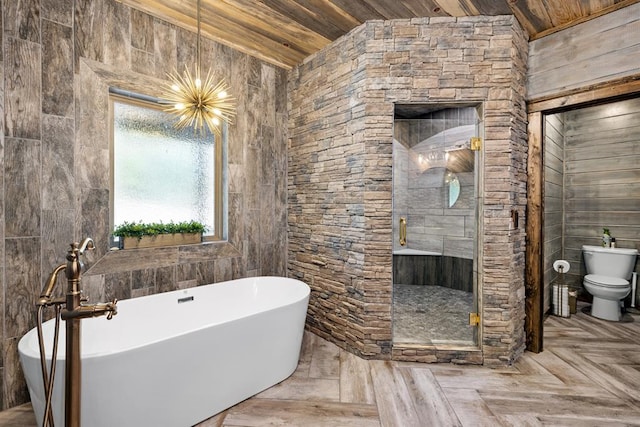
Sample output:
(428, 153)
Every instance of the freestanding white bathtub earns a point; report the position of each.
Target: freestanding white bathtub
(177, 358)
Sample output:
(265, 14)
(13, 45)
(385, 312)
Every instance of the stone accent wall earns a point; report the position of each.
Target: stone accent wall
(57, 61)
(341, 106)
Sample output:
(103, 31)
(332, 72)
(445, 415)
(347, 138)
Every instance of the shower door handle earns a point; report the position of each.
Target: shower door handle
(403, 231)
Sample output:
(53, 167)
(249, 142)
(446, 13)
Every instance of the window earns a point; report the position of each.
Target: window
(159, 173)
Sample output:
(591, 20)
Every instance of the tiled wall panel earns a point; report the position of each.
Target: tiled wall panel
(55, 157)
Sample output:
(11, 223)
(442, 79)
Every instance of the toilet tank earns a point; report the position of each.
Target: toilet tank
(612, 262)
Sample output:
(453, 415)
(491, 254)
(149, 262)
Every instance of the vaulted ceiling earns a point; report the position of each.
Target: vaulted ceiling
(284, 32)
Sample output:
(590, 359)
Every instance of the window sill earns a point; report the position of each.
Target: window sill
(116, 261)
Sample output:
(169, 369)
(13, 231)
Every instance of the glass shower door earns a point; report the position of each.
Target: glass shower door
(435, 195)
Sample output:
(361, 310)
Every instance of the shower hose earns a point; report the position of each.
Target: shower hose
(48, 377)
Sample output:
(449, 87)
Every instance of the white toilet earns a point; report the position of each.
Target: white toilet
(607, 279)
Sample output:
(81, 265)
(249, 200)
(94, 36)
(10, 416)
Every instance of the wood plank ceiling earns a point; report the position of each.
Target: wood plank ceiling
(284, 32)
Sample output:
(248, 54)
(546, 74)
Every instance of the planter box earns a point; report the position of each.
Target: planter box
(161, 240)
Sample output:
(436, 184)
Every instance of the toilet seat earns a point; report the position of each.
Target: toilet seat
(605, 281)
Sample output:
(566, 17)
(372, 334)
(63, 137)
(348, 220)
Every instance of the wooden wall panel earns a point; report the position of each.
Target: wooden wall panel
(602, 177)
(593, 52)
(553, 194)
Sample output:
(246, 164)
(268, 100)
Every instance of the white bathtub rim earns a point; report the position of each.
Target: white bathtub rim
(28, 343)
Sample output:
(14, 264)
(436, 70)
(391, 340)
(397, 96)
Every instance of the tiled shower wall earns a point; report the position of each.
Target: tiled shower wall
(340, 173)
(421, 175)
(57, 61)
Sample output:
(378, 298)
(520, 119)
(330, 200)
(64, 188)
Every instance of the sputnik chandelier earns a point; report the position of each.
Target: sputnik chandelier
(198, 102)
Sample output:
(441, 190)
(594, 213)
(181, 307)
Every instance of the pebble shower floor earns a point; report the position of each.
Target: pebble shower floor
(431, 315)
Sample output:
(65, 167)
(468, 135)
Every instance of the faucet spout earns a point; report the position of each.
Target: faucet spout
(87, 244)
(74, 264)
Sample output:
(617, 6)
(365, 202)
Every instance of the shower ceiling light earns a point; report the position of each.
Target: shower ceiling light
(196, 102)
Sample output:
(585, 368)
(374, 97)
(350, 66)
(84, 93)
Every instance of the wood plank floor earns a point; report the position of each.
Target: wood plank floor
(588, 375)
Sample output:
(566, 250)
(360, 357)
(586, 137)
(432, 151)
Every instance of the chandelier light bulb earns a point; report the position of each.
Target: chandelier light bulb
(222, 94)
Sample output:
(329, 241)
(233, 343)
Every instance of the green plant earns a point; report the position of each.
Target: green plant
(139, 229)
(605, 231)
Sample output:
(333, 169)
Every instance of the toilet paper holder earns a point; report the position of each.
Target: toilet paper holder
(560, 297)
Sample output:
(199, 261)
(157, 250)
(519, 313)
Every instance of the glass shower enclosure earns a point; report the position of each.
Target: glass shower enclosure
(435, 215)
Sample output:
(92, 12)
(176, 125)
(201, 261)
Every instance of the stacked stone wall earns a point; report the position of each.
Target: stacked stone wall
(341, 110)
